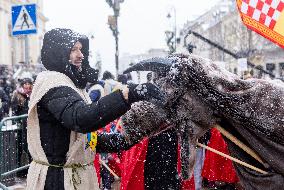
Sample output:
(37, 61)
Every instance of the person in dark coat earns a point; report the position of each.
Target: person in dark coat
(107, 75)
(60, 112)
(160, 170)
(122, 78)
(19, 105)
(7, 84)
(4, 104)
(21, 96)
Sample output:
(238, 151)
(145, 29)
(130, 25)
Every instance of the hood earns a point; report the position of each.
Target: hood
(55, 53)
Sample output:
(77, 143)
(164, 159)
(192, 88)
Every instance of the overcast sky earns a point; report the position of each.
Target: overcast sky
(142, 23)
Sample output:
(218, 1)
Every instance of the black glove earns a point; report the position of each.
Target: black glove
(145, 91)
(113, 142)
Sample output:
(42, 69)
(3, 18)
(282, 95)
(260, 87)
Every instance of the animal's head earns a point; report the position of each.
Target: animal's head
(200, 93)
(184, 109)
(182, 97)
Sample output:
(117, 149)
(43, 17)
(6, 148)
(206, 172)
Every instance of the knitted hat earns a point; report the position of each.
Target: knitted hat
(25, 80)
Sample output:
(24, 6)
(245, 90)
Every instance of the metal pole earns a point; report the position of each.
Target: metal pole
(116, 47)
(15, 170)
(175, 28)
(26, 50)
(2, 186)
(19, 117)
(172, 40)
(115, 5)
(234, 55)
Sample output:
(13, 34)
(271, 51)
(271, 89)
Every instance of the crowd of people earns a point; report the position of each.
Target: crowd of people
(14, 98)
(61, 112)
(14, 95)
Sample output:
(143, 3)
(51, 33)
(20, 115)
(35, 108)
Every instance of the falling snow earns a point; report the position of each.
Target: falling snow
(200, 94)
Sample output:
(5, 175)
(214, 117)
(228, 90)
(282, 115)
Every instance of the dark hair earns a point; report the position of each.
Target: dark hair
(122, 78)
(107, 75)
(129, 77)
(25, 80)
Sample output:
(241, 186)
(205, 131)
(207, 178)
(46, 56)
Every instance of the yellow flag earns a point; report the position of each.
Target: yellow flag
(265, 17)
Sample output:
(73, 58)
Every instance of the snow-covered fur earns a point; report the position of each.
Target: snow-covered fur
(152, 117)
(201, 94)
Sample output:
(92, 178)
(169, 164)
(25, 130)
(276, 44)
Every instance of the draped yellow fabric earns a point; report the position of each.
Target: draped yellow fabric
(265, 17)
(279, 27)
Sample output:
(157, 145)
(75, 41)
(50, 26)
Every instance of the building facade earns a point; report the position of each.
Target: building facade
(12, 48)
(222, 25)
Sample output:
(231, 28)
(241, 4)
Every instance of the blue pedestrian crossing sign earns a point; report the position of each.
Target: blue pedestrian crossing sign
(24, 19)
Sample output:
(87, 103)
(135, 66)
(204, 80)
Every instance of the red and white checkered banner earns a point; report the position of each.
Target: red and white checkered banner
(265, 17)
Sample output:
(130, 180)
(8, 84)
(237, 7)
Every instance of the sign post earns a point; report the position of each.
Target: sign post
(23, 23)
(24, 19)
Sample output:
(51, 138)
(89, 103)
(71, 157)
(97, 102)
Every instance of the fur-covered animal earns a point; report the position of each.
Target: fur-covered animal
(199, 95)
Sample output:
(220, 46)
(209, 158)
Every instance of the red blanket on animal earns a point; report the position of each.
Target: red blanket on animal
(218, 168)
(132, 175)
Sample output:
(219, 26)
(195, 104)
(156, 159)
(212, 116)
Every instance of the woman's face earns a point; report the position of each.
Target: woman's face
(27, 86)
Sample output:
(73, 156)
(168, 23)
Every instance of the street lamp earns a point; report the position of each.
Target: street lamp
(171, 36)
(170, 40)
(113, 25)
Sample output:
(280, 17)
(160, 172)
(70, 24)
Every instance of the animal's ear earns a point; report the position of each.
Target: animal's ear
(159, 65)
